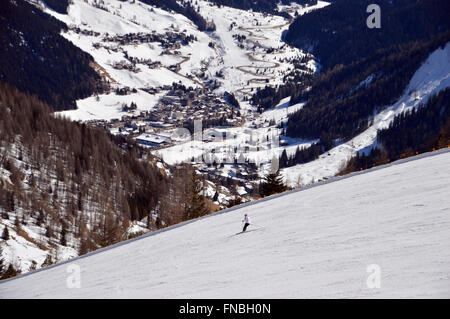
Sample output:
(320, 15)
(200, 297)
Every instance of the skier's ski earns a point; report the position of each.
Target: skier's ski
(247, 231)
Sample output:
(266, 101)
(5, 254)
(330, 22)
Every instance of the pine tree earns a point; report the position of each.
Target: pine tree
(5, 215)
(63, 240)
(236, 200)
(5, 235)
(40, 218)
(196, 201)
(284, 159)
(110, 232)
(48, 232)
(2, 266)
(17, 222)
(84, 247)
(273, 184)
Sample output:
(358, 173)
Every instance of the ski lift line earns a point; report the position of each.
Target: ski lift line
(241, 206)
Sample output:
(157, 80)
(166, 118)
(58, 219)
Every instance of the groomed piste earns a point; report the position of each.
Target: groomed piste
(321, 242)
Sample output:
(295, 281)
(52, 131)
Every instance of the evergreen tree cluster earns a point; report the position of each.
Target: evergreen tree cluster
(195, 200)
(338, 37)
(269, 97)
(88, 159)
(272, 184)
(80, 176)
(338, 33)
(342, 99)
(59, 6)
(364, 69)
(301, 156)
(186, 9)
(36, 59)
(231, 98)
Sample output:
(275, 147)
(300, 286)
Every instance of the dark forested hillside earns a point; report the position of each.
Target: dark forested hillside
(342, 99)
(363, 69)
(422, 130)
(185, 9)
(70, 168)
(79, 182)
(35, 58)
(59, 6)
(338, 34)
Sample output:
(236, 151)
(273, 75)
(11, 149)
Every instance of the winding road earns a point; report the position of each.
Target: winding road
(254, 39)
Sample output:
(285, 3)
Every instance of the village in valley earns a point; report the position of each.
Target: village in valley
(163, 77)
(179, 108)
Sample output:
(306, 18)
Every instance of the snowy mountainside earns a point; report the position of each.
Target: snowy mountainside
(118, 19)
(137, 47)
(432, 77)
(171, 73)
(316, 243)
(37, 238)
(56, 201)
(250, 63)
(238, 55)
(244, 53)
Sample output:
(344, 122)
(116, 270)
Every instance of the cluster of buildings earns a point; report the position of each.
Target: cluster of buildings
(86, 32)
(168, 40)
(177, 109)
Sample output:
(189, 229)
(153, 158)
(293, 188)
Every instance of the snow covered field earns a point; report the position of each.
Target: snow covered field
(314, 243)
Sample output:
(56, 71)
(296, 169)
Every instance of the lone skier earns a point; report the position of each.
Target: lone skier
(246, 222)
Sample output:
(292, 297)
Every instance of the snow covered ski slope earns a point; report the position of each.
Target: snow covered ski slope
(319, 242)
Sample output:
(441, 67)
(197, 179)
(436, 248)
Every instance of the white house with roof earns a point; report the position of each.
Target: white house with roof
(152, 140)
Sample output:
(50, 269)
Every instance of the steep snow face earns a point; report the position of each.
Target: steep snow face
(319, 242)
(112, 19)
(432, 77)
